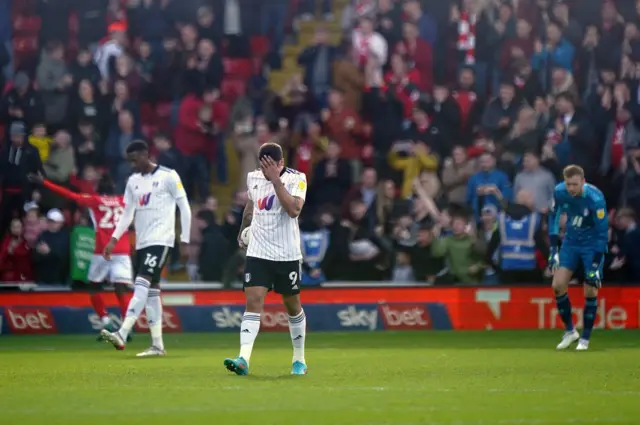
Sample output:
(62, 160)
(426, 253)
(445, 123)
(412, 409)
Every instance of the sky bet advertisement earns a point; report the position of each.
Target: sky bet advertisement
(366, 310)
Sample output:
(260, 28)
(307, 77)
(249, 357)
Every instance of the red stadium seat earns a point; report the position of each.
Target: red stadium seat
(231, 89)
(163, 110)
(237, 68)
(147, 114)
(74, 25)
(259, 45)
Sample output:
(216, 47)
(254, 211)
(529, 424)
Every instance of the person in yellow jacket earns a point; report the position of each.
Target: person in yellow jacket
(41, 141)
(412, 159)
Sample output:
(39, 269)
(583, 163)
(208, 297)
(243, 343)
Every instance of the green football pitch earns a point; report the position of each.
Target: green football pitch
(453, 378)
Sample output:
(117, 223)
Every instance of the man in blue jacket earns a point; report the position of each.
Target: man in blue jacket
(482, 186)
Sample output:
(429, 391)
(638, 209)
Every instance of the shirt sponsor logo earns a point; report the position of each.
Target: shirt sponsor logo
(266, 203)
(144, 199)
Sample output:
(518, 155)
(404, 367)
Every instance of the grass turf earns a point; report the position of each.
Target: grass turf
(453, 378)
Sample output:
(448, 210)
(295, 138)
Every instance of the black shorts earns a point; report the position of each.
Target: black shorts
(282, 277)
(151, 260)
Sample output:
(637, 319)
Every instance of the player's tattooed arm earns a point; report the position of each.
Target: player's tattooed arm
(291, 204)
(247, 216)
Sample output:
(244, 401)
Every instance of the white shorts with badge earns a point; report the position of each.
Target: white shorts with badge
(118, 270)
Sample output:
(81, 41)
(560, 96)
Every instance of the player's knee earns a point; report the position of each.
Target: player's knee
(292, 304)
(559, 286)
(254, 300)
(590, 291)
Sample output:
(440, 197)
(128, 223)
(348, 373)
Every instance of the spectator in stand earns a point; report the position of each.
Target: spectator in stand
(17, 159)
(629, 242)
(462, 251)
(51, 253)
(61, 163)
(475, 40)
(307, 9)
(120, 136)
(84, 69)
(88, 106)
(384, 208)
(15, 256)
(536, 180)
(572, 134)
(365, 190)
(233, 219)
(168, 156)
(427, 27)
(39, 140)
(92, 21)
(214, 249)
(480, 188)
(412, 158)
(523, 137)
(146, 67)
(556, 52)
(331, 177)
(426, 267)
(125, 71)
(516, 48)
(273, 15)
(370, 49)
(389, 18)
(209, 64)
(208, 28)
(418, 53)
(455, 175)
(348, 78)
(501, 113)
(22, 103)
(343, 125)
(33, 223)
(445, 120)
(317, 61)
(194, 140)
(150, 20)
(55, 20)
(238, 22)
(247, 145)
(88, 146)
(112, 48)
(53, 82)
(470, 104)
(621, 133)
(123, 101)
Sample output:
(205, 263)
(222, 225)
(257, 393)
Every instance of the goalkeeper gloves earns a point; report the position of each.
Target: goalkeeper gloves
(594, 277)
(554, 260)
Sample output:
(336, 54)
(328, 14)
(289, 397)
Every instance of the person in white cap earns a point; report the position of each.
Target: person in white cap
(52, 251)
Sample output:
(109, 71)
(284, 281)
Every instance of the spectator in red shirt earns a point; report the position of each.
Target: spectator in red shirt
(418, 53)
(195, 139)
(343, 125)
(15, 256)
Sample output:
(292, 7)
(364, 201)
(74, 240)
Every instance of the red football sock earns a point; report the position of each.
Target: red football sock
(123, 301)
(98, 305)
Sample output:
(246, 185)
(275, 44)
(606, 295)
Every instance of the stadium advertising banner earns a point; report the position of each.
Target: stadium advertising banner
(344, 309)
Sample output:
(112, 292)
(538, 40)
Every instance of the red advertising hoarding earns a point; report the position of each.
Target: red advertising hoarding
(469, 308)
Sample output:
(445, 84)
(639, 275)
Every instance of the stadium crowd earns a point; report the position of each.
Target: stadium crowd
(424, 129)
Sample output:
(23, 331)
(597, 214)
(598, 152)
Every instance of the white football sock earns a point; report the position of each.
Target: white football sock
(105, 320)
(248, 332)
(154, 317)
(137, 303)
(298, 331)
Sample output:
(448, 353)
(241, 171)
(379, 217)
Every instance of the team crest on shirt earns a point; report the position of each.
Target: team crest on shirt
(247, 277)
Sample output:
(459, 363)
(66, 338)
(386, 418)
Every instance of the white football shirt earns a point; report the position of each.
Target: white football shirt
(154, 197)
(274, 235)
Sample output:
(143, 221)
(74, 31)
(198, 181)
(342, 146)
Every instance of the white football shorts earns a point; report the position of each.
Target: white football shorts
(118, 270)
